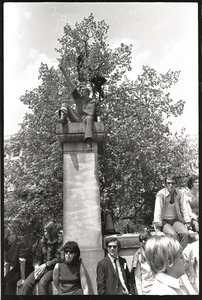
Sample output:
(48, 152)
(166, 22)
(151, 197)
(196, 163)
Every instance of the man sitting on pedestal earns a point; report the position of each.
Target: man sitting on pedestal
(87, 110)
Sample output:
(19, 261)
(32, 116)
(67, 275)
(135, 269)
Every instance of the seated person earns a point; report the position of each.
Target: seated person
(47, 255)
(18, 260)
(164, 254)
(88, 110)
(192, 199)
(69, 276)
(140, 269)
(171, 213)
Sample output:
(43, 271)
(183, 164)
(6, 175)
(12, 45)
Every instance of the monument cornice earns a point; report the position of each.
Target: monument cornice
(75, 132)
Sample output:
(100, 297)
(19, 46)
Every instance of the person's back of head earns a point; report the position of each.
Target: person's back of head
(161, 252)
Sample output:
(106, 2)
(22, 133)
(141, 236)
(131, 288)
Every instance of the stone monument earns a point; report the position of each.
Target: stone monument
(81, 193)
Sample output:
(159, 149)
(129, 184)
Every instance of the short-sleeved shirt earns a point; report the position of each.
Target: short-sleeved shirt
(144, 276)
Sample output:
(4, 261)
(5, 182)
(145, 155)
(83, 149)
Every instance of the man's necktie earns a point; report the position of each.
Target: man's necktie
(116, 268)
(172, 200)
(125, 290)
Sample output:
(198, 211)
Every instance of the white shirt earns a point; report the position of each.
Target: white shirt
(170, 213)
(168, 285)
(119, 270)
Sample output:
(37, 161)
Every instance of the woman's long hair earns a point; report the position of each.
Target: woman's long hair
(8, 230)
(73, 246)
(52, 230)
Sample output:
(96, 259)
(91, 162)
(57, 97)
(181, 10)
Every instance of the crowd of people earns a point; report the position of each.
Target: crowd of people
(167, 262)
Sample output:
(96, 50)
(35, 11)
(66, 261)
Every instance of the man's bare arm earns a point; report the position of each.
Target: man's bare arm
(70, 83)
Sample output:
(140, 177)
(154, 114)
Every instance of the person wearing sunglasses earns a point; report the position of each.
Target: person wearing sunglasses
(113, 277)
(69, 275)
(171, 214)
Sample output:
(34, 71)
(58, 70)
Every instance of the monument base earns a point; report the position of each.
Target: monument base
(90, 260)
(81, 194)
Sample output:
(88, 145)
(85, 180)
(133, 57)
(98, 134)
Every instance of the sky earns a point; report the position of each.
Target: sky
(164, 36)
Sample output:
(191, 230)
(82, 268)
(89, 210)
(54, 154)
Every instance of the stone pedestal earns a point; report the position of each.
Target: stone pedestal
(81, 194)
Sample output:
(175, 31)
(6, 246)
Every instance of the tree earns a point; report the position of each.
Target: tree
(37, 173)
(139, 148)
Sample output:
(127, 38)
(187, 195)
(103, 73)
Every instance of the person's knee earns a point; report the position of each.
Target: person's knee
(43, 283)
(28, 283)
(169, 230)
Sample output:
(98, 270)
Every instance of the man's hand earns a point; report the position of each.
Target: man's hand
(39, 271)
(20, 283)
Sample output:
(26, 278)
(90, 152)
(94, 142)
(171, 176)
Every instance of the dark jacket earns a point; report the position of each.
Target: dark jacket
(48, 253)
(18, 249)
(107, 280)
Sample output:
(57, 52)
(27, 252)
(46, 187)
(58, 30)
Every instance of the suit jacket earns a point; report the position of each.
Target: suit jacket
(108, 282)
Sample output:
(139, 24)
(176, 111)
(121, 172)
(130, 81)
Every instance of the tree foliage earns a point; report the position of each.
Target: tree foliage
(139, 148)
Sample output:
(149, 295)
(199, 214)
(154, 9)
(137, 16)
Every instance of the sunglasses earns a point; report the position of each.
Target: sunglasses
(112, 246)
(68, 251)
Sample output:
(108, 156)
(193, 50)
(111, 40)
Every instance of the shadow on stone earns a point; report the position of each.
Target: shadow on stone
(89, 282)
(75, 162)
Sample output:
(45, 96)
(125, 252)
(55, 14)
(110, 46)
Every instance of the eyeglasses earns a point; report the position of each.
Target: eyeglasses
(112, 246)
(69, 251)
(170, 182)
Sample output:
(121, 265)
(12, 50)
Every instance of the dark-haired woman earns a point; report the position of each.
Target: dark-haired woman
(69, 276)
(47, 255)
(18, 261)
(192, 198)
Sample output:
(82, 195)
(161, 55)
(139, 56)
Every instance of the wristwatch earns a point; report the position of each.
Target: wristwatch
(189, 227)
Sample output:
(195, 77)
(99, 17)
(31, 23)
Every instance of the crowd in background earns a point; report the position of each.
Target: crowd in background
(167, 263)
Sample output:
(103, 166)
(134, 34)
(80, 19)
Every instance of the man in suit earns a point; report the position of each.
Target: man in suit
(113, 276)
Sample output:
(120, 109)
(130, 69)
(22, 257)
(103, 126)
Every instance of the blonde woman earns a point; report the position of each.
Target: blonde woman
(164, 254)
